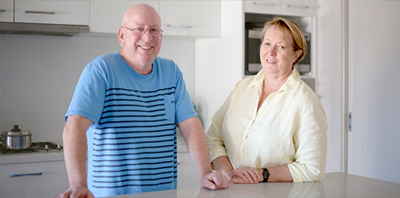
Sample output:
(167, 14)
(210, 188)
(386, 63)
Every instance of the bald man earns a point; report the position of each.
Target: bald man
(124, 112)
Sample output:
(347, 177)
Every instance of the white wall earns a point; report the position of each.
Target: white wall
(219, 62)
(329, 76)
(39, 74)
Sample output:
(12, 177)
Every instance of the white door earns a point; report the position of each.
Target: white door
(374, 89)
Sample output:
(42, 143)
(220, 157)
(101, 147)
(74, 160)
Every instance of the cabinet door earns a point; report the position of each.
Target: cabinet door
(6, 10)
(374, 44)
(187, 172)
(42, 179)
(262, 6)
(190, 18)
(52, 12)
(106, 15)
(298, 8)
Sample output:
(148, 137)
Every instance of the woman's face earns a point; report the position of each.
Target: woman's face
(276, 52)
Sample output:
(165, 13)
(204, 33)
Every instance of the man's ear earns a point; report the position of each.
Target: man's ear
(121, 36)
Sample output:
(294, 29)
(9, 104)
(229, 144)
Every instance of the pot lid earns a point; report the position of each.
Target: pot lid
(16, 131)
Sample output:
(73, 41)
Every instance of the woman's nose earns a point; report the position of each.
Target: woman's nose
(271, 50)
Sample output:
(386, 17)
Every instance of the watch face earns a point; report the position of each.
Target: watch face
(265, 174)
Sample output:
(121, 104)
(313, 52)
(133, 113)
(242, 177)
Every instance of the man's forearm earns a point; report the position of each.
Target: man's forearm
(196, 143)
(222, 164)
(74, 140)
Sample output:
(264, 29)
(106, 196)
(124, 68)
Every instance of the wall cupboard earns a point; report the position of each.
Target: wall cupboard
(7, 11)
(281, 7)
(106, 15)
(178, 18)
(49, 12)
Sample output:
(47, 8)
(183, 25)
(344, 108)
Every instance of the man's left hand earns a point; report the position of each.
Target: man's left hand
(214, 180)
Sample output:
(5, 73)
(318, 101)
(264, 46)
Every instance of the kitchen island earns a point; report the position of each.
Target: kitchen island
(333, 185)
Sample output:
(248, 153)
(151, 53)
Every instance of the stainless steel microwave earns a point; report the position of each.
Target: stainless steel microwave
(252, 53)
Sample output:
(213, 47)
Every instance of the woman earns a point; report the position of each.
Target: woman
(272, 127)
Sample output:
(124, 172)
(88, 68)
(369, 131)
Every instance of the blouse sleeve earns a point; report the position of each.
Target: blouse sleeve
(216, 145)
(310, 143)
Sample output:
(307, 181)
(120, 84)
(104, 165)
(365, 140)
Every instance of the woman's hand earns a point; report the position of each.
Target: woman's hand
(244, 175)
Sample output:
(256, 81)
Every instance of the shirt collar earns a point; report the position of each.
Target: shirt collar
(291, 86)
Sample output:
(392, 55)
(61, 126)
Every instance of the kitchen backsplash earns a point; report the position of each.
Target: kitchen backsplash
(39, 74)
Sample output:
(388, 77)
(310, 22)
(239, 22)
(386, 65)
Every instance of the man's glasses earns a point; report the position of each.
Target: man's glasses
(141, 31)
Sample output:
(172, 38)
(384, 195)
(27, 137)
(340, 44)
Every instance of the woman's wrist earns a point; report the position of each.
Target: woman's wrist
(260, 179)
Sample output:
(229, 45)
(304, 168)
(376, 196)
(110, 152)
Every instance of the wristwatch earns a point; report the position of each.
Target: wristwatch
(265, 174)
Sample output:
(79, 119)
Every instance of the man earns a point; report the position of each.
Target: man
(125, 109)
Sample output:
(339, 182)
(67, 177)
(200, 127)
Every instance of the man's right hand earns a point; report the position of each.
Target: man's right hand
(76, 192)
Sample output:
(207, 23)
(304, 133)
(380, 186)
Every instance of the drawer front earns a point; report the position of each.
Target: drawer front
(44, 179)
(6, 11)
(52, 12)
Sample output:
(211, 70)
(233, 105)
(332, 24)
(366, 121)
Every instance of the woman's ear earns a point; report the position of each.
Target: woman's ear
(297, 54)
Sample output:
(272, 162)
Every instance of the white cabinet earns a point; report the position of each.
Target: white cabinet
(38, 179)
(52, 12)
(106, 15)
(187, 172)
(6, 10)
(178, 18)
(298, 7)
(281, 7)
(263, 6)
(190, 18)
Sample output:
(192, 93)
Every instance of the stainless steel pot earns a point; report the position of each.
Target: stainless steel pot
(17, 139)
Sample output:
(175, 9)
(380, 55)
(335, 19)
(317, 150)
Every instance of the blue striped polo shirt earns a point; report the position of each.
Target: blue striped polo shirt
(132, 141)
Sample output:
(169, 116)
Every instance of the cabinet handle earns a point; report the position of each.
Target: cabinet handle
(179, 26)
(25, 174)
(2, 10)
(38, 12)
(264, 3)
(297, 6)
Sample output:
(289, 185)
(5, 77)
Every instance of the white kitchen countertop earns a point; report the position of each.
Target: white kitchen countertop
(32, 157)
(333, 185)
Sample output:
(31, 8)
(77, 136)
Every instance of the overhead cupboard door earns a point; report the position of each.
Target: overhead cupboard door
(52, 12)
(190, 18)
(374, 89)
(106, 15)
(6, 10)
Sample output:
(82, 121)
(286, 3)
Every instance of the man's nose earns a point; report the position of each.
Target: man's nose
(147, 35)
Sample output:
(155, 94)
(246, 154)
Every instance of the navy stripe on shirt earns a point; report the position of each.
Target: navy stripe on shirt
(134, 143)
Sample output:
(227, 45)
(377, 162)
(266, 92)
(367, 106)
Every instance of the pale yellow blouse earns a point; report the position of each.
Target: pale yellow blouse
(289, 128)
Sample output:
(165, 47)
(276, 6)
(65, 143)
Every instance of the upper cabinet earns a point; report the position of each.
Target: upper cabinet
(106, 15)
(50, 12)
(281, 7)
(190, 18)
(6, 10)
(263, 6)
(197, 18)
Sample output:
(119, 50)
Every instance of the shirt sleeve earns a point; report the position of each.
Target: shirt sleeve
(216, 146)
(310, 143)
(89, 95)
(184, 105)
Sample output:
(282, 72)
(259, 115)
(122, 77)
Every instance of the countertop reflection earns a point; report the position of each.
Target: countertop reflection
(333, 185)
